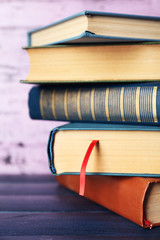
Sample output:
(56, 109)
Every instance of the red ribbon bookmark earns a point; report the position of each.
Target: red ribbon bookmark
(83, 167)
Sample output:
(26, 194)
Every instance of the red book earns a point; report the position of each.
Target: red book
(135, 198)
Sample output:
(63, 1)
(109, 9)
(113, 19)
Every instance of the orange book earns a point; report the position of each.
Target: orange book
(135, 198)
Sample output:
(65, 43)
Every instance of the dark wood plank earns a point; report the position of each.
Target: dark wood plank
(71, 224)
(76, 238)
(52, 188)
(27, 178)
(37, 207)
(46, 203)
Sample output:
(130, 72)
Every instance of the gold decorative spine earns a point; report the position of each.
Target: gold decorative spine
(65, 104)
(137, 104)
(106, 104)
(41, 104)
(53, 105)
(78, 104)
(121, 104)
(154, 100)
(92, 104)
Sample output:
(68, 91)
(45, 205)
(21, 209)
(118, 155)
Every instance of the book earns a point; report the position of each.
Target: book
(127, 150)
(92, 27)
(135, 198)
(137, 103)
(98, 63)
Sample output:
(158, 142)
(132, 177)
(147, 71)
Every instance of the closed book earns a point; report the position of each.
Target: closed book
(137, 103)
(127, 150)
(135, 198)
(94, 63)
(93, 26)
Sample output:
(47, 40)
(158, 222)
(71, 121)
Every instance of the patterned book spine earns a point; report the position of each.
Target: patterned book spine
(127, 104)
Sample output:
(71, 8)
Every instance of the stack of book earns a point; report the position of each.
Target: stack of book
(105, 81)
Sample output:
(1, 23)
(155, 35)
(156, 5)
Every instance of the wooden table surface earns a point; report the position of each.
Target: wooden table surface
(37, 207)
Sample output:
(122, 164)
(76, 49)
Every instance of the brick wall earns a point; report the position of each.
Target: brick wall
(23, 141)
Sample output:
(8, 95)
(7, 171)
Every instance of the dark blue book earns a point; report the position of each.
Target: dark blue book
(130, 103)
(127, 150)
(97, 27)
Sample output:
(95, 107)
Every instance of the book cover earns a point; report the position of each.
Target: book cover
(137, 103)
(127, 150)
(111, 27)
(129, 197)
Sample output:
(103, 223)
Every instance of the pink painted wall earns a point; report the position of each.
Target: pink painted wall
(22, 140)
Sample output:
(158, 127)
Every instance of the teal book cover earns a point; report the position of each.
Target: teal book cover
(87, 35)
(127, 150)
(132, 103)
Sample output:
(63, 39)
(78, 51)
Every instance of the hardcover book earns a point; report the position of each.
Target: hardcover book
(93, 27)
(137, 103)
(127, 150)
(98, 63)
(135, 198)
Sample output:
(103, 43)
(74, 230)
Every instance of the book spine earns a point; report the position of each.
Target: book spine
(50, 150)
(124, 104)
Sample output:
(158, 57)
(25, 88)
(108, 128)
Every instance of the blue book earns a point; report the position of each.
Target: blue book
(97, 27)
(127, 150)
(132, 103)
